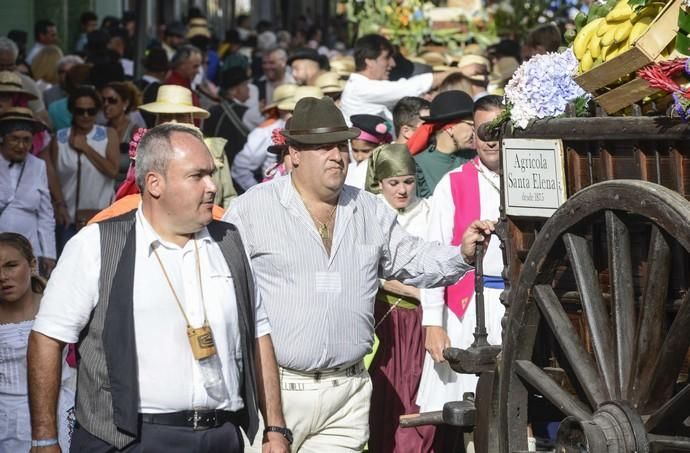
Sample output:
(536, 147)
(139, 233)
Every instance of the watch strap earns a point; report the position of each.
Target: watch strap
(285, 432)
(43, 442)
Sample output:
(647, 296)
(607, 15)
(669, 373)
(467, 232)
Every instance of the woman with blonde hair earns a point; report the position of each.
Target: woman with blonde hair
(20, 296)
(44, 67)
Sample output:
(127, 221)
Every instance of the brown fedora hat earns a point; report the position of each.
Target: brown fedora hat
(318, 121)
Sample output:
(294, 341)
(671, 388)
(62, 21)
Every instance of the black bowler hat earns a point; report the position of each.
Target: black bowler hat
(317, 122)
(232, 77)
(309, 54)
(450, 105)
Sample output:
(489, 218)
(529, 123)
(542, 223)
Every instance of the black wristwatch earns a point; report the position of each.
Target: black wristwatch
(278, 429)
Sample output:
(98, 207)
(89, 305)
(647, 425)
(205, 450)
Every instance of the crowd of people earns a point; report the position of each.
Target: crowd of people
(280, 199)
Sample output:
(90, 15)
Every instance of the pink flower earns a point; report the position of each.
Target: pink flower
(134, 143)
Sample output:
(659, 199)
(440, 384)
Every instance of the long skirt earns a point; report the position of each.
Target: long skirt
(395, 373)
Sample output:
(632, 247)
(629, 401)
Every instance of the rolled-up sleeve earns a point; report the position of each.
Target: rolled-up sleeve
(72, 291)
(414, 261)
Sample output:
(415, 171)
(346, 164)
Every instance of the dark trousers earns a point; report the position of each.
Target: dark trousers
(166, 439)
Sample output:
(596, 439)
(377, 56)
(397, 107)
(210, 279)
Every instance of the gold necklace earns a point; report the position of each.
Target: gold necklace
(321, 227)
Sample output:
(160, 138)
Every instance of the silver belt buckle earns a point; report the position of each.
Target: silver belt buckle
(196, 418)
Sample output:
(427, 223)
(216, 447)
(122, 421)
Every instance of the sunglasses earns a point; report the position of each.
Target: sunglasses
(111, 100)
(78, 111)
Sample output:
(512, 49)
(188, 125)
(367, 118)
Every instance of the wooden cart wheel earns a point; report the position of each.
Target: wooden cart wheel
(616, 389)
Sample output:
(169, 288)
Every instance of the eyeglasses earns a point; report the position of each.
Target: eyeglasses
(17, 141)
(111, 100)
(78, 111)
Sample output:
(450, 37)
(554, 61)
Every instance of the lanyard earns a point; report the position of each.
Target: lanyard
(172, 289)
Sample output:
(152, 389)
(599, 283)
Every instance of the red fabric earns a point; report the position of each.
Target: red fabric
(420, 139)
(176, 79)
(129, 185)
(395, 374)
(464, 186)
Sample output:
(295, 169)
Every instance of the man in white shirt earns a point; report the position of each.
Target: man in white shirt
(449, 313)
(45, 34)
(318, 275)
(368, 90)
(166, 318)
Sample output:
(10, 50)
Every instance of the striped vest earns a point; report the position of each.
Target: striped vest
(107, 387)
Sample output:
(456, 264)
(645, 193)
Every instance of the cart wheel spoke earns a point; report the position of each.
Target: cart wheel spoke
(670, 359)
(541, 381)
(594, 308)
(652, 311)
(623, 308)
(571, 344)
(666, 443)
(676, 410)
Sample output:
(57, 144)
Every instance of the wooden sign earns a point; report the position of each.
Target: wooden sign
(533, 177)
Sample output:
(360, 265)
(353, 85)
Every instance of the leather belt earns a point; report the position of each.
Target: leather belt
(199, 419)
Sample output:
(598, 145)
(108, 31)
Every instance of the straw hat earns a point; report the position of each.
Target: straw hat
(343, 66)
(281, 94)
(174, 99)
(467, 60)
(10, 82)
(434, 59)
(330, 82)
(21, 115)
(198, 27)
(299, 94)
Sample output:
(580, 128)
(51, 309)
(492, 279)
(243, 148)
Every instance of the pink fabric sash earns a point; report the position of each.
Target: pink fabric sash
(464, 187)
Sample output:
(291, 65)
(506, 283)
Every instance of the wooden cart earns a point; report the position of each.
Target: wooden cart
(597, 325)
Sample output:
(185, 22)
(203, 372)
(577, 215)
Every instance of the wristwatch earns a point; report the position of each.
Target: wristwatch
(43, 442)
(278, 429)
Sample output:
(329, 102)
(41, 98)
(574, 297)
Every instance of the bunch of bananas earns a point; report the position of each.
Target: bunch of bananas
(609, 30)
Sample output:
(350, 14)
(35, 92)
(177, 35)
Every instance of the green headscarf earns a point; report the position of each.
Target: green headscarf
(388, 161)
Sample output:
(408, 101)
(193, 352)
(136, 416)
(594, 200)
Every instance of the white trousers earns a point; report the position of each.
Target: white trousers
(328, 414)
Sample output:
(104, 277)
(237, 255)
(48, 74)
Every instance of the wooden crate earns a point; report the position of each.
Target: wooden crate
(645, 50)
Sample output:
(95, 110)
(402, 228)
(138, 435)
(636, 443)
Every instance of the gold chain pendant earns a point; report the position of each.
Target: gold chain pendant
(323, 231)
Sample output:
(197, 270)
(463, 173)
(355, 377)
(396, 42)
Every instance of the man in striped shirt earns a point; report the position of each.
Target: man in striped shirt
(318, 248)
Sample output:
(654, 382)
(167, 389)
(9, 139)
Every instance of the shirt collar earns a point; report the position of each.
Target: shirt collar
(151, 238)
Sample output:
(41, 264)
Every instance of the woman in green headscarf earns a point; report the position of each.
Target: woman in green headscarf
(397, 366)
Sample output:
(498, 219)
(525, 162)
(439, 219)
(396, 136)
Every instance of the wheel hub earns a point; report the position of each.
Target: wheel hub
(614, 428)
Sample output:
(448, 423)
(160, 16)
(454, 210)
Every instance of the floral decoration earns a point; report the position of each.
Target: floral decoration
(542, 87)
(664, 76)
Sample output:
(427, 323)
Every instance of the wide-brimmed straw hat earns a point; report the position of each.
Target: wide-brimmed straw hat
(10, 82)
(198, 27)
(281, 94)
(300, 93)
(450, 105)
(20, 115)
(330, 82)
(174, 99)
(343, 66)
(318, 121)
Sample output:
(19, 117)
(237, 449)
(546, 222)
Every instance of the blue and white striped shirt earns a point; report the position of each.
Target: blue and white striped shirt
(321, 307)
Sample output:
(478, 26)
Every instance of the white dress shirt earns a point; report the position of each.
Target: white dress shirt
(169, 376)
(377, 97)
(321, 306)
(442, 224)
(25, 205)
(254, 155)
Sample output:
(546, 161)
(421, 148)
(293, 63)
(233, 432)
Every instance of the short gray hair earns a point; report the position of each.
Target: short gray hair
(7, 45)
(155, 149)
(183, 54)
